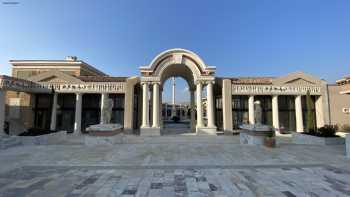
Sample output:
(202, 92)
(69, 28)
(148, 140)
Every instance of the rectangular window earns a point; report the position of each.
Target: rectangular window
(286, 108)
(118, 108)
(266, 107)
(239, 110)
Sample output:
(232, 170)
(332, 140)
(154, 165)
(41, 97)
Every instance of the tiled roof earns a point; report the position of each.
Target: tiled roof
(102, 79)
(252, 80)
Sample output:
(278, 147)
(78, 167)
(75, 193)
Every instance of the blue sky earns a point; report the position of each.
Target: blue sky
(240, 38)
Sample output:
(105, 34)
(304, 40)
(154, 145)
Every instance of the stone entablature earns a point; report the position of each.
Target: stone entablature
(345, 84)
(15, 84)
(21, 85)
(274, 90)
(95, 87)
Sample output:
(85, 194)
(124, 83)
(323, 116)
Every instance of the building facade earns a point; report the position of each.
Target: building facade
(69, 94)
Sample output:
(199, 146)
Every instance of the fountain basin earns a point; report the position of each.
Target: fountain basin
(104, 129)
(255, 134)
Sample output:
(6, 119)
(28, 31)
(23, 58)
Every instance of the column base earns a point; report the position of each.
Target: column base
(206, 130)
(150, 131)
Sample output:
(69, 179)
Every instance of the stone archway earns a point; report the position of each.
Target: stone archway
(188, 65)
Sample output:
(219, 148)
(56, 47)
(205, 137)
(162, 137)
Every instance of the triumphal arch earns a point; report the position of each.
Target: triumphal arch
(185, 64)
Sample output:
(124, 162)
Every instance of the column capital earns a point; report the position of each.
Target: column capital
(155, 82)
(199, 82)
(145, 82)
(210, 82)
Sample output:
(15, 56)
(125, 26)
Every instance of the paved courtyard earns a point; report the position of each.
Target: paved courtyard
(184, 166)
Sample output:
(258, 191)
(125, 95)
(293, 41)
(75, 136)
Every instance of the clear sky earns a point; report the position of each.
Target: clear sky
(240, 38)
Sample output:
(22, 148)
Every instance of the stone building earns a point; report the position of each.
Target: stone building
(67, 94)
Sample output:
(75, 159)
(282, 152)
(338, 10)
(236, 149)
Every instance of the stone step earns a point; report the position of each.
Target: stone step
(181, 139)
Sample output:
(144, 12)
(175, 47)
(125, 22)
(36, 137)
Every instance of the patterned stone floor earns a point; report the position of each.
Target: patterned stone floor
(108, 181)
(175, 169)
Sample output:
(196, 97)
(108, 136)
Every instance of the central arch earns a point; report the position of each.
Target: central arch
(188, 65)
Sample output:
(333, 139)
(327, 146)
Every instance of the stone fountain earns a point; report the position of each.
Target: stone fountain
(255, 134)
(105, 128)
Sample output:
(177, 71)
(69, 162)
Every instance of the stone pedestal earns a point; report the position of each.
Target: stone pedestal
(206, 131)
(150, 131)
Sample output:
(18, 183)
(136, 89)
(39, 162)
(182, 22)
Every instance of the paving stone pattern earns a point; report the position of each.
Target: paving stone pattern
(77, 181)
(173, 166)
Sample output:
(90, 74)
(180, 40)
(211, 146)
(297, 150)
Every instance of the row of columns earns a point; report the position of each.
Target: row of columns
(155, 106)
(275, 112)
(156, 110)
(78, 111)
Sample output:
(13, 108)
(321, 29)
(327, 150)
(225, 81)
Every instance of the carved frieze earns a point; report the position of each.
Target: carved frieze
(274, 90)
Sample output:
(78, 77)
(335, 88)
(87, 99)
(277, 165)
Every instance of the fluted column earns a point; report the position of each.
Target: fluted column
(210, 105)
(155, 122)
(54, 113)
(251, 110)
(104, 97)
(145, 106)
(299, 114)
(78, 111)
(2, 112)
(199, 105)
(275, 114)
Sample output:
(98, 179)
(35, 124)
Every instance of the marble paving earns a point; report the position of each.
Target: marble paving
(175, 169)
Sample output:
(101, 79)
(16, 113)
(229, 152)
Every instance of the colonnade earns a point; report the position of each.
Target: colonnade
(275, 112)
(154, 129)
(78, 111)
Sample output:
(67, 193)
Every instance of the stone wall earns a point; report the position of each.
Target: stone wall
(337, 102)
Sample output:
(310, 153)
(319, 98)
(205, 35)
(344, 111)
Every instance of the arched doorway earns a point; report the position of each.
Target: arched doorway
(188, 65)
(177, 116)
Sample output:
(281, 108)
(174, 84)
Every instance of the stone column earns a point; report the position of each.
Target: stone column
(155, 108)
(199, 106)
(161, 118)
(78, 111)
(319, 112)
(227, 106)
(192, 111)
(2, 112)
(275, 114)
(54, 112)
(104, 97)
(145, 106)
(251, 110)
(299, 114)
(210, 105)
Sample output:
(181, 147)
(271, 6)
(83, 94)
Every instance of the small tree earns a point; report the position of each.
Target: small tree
(310, 126)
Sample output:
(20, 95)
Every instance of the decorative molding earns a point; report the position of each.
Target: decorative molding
(274, 90)
(89, 87)
(21, 85)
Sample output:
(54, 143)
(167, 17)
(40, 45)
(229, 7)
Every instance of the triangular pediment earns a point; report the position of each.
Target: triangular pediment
(54, 77)
(298, 78)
